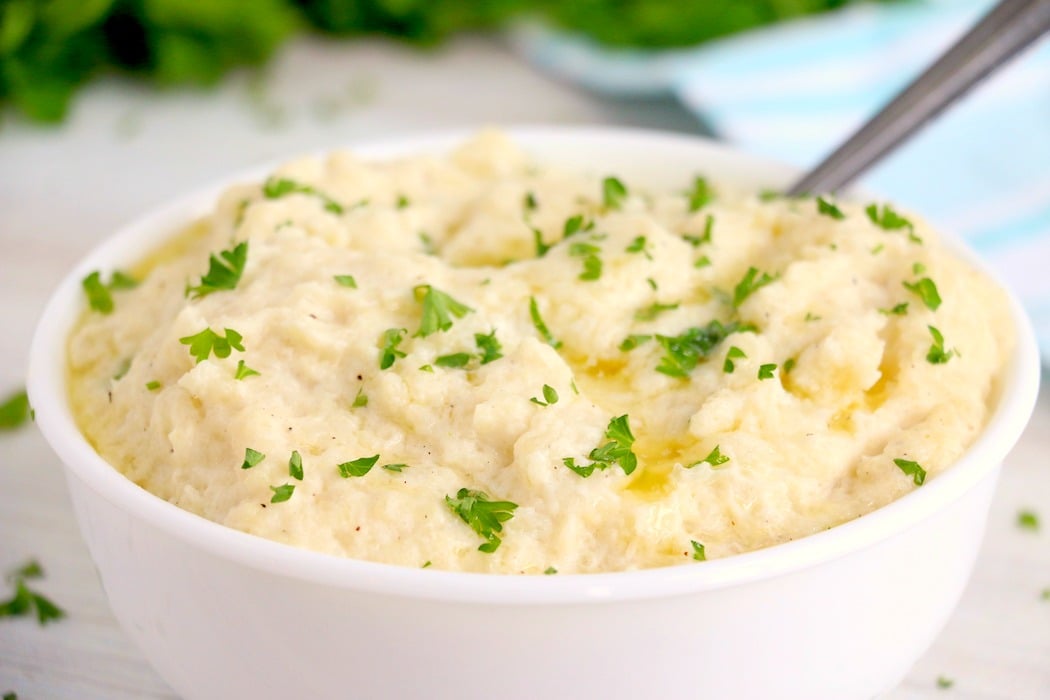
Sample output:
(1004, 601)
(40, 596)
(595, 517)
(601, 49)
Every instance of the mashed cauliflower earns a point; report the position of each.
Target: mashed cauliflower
(481, 364)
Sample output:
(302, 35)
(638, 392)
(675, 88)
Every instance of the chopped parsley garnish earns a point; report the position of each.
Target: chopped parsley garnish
(828, 209)
(26, 601)
(698, 551)
(456, 359)
(550, 396)
(592, 264)
(122, 368)
(541, 247)
(152, 385)
(575, 224)
(1045, 595)
(639, 245)
(613, 193)
(652, 283)
(550, 571)
(616, 451)
(243, 371)
(295, 465)
(251, 458)
(897, 310)
(751, 282)
(918, 268)
(683, 352)
(937, 355)
(943, 682)
(346, 281)
(208, 341)
(427, 564)
(697, 241)
(276, 188)
(489, 346)
(429, 247)
(224, 272)
(734, 353)
(912, 469)
(360, 399)
(395, 467)
(438, 310)
(632, 341)
(357, 467)
(530, 202)
(122, 280)
(541, 327)
(927, 291)
(389, 353)
(426, 368)
(714, 459)
(1028, 520)
(887, 219)
(99, 298)
(702, 261)
(810, 316)
(653, 310)
(789, 364)
(282, 493)
(766, 371)
(15, 411)
(484, 516)
(701, 194)
(402, 202)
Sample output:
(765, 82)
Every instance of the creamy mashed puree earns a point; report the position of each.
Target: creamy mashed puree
(478, 363)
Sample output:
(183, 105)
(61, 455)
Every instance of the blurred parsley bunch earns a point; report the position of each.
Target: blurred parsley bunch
(48, 48)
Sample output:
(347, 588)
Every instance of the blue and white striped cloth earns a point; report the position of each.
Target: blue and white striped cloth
(796, 90)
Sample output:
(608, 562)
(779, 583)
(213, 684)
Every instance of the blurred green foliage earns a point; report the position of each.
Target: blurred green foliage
(48, 48)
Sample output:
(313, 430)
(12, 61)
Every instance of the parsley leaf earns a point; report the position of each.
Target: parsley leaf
(927, 291)
(943, 682)
(751, 282)
(438, 310)
(541, 327)
(912, 469)
(15, 411)
(99, 298)
(122, 280)
(251, 458)
(592, 264)
(152, 385)
(887, 219)
(828, 209)
(484, 516)
(550, 396)
(639, 245)
(700, 195)
(698, 551)
(697, 241)
(714, 459)
(357, 467)
(224, 272)
(346, 281)
(208, 341)
(541, 247)
(26, 601)
(616, 451)
(766, 371)
(391, 338)
(457, 359)
(402, 202)
(275, 188)
(361, 399)
(243, 371)
(282, 493)
(734, 353)
(937, 355)
(489, 346)
(632, 341)
(550, 571)
(897, 310)
(575, 224)
(395, 467)
(613, 193)
(683, 352)
(653, 310)
(295, 465)
(529, 202)
(1028, 520)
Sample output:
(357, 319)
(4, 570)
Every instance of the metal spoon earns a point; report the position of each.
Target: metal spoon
(1009, 27)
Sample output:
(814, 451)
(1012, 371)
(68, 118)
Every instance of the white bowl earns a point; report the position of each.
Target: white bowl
(222, 614)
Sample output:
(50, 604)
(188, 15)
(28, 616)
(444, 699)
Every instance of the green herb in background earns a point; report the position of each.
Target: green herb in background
(49, 49)
(15, 411)
(26, 601)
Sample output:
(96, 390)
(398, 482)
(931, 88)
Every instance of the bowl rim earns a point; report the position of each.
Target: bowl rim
(46, 386)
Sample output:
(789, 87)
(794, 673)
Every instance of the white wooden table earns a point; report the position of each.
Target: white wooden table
(127, 148)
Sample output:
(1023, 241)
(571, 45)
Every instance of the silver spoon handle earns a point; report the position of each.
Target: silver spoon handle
(1008, 28)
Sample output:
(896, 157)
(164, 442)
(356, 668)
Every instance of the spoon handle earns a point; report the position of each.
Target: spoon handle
(1008, 28)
